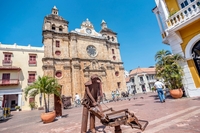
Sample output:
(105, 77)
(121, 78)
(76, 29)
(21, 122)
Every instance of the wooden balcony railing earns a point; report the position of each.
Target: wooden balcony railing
(30, 81)
(184, 15)
(7, 62)
(151, 80)
(6, 82)
(30, 62)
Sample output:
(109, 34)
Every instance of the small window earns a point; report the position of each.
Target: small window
(60, 28)
(108, 37)
(141, 79)
(31, 77)
(113, 38)
(133, 80)
(118, 84)
(53, 27)
(185, 2)
(114, 57)
(7, 57)
(113, 51)
(57, 44)
(116, 73)
(32, 59)
(182, 5)
(57, 52)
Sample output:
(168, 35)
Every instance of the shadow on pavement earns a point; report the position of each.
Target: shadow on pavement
(196, 98)
(101, 129)
(4, 120)
(153, 96)
(65, 116)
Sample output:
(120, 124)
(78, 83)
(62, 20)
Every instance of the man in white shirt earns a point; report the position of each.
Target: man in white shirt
(77, 99)
(159, 86)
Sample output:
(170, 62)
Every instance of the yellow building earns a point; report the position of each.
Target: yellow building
(179, 23)
(20, 67)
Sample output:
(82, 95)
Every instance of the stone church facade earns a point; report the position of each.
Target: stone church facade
(73, 57)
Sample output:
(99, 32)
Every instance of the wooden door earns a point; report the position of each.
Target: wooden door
(58, 104)
(6, 78)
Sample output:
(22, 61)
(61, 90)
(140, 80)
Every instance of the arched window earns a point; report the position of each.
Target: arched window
(53, 27)
(60, 28)
(196, 55)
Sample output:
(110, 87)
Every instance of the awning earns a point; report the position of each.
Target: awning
(10, 92)
(10, 68)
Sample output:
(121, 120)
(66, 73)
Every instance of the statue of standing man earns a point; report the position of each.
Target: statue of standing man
(92, 97)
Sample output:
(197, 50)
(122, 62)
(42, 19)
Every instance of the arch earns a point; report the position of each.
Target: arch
(53, 27)
(190, 45)
(60, 28)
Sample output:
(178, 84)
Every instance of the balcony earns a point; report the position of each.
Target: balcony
(31, 62)
(141, 82)
(7, 82)
(30, 81)
(151, 80)
(6, 62)
(188, 14)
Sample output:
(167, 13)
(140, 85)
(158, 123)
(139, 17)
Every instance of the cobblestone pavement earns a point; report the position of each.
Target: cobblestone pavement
(173, 116)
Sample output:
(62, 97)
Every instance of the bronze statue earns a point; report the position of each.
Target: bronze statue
(91, 101)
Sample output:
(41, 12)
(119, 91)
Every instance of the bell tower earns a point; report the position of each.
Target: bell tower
(54, 11)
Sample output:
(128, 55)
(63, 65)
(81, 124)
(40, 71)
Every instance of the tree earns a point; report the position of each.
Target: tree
(168, 68)
(43, 85)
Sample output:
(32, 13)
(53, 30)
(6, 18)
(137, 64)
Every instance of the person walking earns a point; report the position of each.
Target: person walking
(117, 94)
(113, 95)
(77, 100)
(159, 87)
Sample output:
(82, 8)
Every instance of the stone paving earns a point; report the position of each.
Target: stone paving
(173, 116)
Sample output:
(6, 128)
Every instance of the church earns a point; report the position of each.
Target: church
(73, 57)
(70, 57)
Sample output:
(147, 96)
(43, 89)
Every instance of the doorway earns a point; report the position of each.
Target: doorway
(58, 104)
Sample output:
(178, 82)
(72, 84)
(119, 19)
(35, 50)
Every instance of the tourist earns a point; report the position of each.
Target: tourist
(159, 87)
(117, 94)
(113, 95)
(77, 100)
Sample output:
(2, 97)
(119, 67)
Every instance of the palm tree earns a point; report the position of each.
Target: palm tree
(43, 85)
(168, 68)
(160, 56)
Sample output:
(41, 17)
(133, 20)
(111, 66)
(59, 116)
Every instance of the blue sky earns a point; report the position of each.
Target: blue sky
(138, 32)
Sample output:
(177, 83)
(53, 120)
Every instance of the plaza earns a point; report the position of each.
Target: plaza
(175, 115)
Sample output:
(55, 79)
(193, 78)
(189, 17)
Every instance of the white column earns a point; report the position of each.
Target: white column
(20, 100)
(156, 12)
(165, 9)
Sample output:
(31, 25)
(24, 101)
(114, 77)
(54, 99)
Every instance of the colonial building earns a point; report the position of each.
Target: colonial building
(73, 57)
(179, 23)
(19, 67)
(139, 79)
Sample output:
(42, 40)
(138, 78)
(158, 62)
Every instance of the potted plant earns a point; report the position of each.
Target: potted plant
(32, 105)
(46, 86)
(168, 68)
(17, 108)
